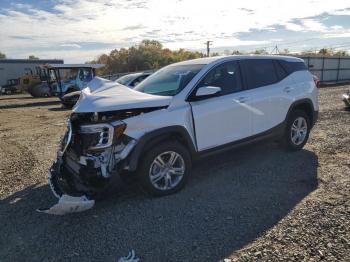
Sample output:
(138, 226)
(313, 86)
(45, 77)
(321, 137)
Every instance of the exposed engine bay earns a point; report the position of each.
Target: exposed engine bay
(95, 149)
(90, 158)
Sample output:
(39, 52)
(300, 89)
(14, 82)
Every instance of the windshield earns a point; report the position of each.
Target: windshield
(169, 81)
(124, 80)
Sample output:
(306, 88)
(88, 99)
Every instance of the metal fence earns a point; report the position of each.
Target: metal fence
(329, 69)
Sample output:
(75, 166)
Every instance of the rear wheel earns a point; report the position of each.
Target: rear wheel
(164, 168)
(297, 130)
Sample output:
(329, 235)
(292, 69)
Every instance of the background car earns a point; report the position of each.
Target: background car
(132, 80)
(129, 80)
(70, 99)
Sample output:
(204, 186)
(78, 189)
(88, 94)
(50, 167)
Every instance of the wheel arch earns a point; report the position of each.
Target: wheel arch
(305, 105)
(177, 133)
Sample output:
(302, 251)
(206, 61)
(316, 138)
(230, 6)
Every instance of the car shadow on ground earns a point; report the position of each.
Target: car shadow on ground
(60, 109)
(231, 199)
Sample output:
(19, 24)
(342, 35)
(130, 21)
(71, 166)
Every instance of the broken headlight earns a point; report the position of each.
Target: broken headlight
(99, 136)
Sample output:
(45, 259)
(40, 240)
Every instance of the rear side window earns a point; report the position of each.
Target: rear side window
(259, 72)
(291, 67)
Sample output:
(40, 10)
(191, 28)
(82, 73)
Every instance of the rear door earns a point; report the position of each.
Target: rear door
(224, 118)
(271, 93)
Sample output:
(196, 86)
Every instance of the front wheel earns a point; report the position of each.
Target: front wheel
(164, 168)
(297, 130)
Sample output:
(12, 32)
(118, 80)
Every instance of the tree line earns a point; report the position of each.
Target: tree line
(3, 56)
(150, 54)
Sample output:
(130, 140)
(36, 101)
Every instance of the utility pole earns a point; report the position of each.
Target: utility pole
(208, 43)
(277, 51)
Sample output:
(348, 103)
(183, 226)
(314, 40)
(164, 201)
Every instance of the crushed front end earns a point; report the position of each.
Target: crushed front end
(91, 155)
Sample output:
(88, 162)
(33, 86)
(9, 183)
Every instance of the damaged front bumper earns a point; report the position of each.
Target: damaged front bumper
(88, 165)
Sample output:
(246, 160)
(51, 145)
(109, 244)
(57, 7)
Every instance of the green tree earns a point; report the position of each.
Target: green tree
(236, 52)
(33, 57)
(285, 51)
(308, 52)
(341, 53)
(2, 56)
(325, 51)
(260, 52)
(149, 54)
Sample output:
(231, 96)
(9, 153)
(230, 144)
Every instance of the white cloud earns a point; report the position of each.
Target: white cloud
(21, 5)
(336, 27)
(293, 27)
(123, 23)
(313, 25)
(71, 45)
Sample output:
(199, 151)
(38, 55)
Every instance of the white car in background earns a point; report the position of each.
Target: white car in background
(132, 80)
(179, 114)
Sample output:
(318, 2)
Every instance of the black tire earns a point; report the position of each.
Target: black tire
(71, 90)
(287, 141)
(149, 155)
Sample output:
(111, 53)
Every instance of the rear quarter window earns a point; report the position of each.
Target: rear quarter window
(291, 67)
(280, 71)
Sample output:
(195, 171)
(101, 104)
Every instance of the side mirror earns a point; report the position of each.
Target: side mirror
(207, 91)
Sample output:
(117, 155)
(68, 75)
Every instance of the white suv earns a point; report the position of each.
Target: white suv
(180, 113)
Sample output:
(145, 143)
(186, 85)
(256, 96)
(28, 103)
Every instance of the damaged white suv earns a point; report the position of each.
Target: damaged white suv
(183, 111)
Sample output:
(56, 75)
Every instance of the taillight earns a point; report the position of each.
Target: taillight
(316, 81)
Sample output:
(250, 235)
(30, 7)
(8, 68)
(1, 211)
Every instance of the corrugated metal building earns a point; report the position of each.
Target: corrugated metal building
(15, 68)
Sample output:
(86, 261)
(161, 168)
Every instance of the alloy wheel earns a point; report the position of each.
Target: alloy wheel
(299, 131)
(167, 170)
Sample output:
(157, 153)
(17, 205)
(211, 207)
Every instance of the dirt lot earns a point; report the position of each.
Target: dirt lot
(256, 203)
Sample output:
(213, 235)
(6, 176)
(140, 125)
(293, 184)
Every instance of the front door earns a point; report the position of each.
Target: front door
(224, 118)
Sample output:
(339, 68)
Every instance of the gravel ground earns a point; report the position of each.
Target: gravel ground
(256, 203)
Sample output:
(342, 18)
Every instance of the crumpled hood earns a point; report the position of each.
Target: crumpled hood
(103, 95)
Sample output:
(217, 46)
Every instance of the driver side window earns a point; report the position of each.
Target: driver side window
(226, 76)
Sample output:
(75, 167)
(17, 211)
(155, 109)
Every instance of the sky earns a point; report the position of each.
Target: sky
(80, 30)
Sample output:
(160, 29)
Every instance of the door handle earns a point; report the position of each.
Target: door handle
(242, 99)
(288, 89)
